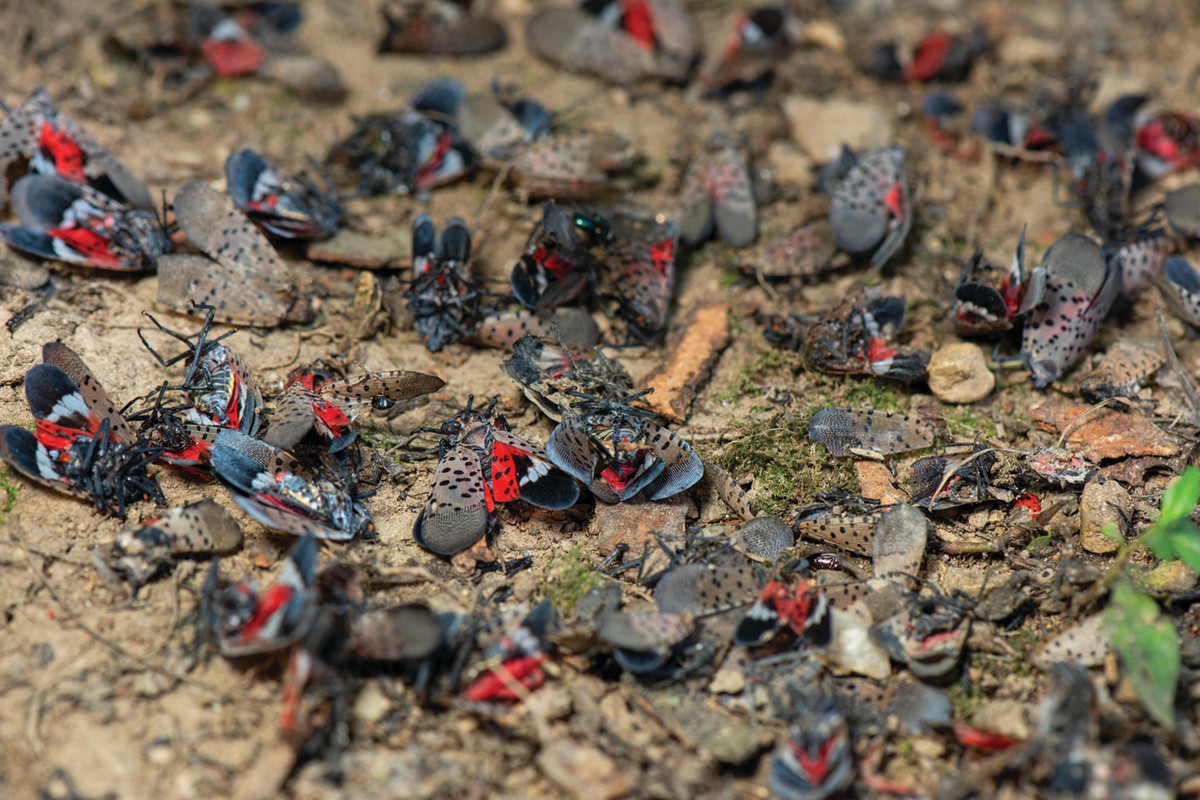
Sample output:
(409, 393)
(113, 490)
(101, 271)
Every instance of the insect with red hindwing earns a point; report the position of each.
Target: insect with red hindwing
(140, 552)
(481, 463)
(72, 222)
(619, 451)
(817, 758)
(81, 445)
(870, 210)
(797, 604)
(641, 263)
(717, 193)
(288, 206)
(559, 263)
(410, 150)
(981, 309)
(443, 297)
(218, 384)
(240, 279)
(330, 407)
(518, 659)
(54, 144)
(1080, 289)
(549, 372)
(858, 338)
(762, 37)
(284, 495)
(440, 28)
(245, 621)
(619, 40)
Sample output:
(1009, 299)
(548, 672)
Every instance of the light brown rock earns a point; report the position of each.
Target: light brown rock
(958, 373)
(821, 127)
(1103, 503)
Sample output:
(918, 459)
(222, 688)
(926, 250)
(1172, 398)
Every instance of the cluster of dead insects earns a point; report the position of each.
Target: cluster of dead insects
(735, 611)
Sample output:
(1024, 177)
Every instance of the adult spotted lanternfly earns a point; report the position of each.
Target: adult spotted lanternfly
(288, 206)
(279, 492)
(482, 464)
(331, 407)
(618, 451)
(443, 298)
(81, 445)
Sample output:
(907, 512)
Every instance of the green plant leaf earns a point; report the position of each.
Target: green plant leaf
(1186, 543)
(1038, 543)
(1180, 498)
(1148, 646)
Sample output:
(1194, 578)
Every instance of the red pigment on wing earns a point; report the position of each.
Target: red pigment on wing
(60, 148)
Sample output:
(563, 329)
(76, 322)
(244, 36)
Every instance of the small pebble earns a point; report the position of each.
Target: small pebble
(1103, 503)
(958, 373)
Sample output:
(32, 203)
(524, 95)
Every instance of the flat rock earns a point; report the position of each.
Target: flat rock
(636, 524)
(357, 249)
(1104, 433)
(876, 482)
(821, 127)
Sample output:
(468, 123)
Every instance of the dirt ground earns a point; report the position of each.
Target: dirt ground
(93, 687)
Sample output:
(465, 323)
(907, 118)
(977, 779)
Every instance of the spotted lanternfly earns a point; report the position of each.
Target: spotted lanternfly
(1167, 141)
(835, 526)
(928, 636)
(941, 482)
(329, 408)
(1182, 208)
(440, 28)
(620, 41)
(226, 45)
(481, 464)
(1126, 365)
(549, 373)
(282, 495)
(870, 209)
(443, 297)
(981, 309)
(571, 326)
(1016, 132)
(411, 150)
(140, 552)
(618, 451)
(1086, 643)
(804, 252)
(500, 123)
(81, 445)
(857, 338)
(796, 604)
(716, 191)
(1080, 289)
(185, 443)
(843, 430)
(246, 621)
(898, 545)
(1179, 286)
(288, 206)
(816, 760)
(72, 222)
(54, 144)
(560, 260)
(762, 37)
(240, 279)
(219, 386)
(519, 658)
(641, 264)
(938, 56)
(644, 641)
(570, 166)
